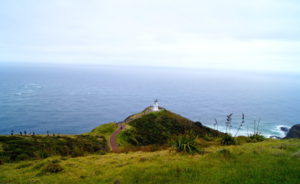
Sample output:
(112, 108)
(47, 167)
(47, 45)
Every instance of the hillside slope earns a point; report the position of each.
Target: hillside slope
(159, 127)
(18, 148)
(271, 161)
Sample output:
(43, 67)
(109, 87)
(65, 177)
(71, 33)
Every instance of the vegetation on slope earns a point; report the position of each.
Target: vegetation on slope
(252, 159)
(185, 143)
(104, 130)
(270, 161)
(17, 148)
(160, 127)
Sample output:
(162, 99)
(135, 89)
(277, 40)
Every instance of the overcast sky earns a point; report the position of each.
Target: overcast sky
(233, 34)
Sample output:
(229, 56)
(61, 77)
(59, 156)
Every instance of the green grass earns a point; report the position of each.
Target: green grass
(270, 162)
(122, 140)
(104, 130)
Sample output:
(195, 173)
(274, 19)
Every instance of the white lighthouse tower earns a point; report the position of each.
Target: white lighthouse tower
(155, 106)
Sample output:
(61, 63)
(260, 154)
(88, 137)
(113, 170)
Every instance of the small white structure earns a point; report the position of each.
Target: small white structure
(155, 106)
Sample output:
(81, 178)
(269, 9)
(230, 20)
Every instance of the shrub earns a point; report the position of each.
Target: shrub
(55, 161)
(37, 147)
(227, 139)
(129, 136)
(242, 139)
(39, 166)
(44, 155)
(256, 137)
(22, 156)
(52, 168)
(160, 127)
(185, 143)
(83, 177)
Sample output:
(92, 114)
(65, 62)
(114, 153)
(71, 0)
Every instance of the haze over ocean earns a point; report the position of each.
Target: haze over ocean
(70, 99)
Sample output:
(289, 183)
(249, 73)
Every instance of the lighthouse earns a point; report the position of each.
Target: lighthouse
(155, 106)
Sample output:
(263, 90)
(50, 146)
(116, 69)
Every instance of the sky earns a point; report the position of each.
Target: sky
(231, 34)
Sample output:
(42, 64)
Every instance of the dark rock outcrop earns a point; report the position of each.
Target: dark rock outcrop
(294, 132)
(284, 129)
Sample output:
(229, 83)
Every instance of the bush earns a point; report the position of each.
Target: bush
(52, 168)
(185, 143)
(39, 166)
(160, 127)
(227, 139)
(55, 161)
(129, 136)
(28, 148)
(256, 138)
(242, 139)
(22, 156)
(44, 155)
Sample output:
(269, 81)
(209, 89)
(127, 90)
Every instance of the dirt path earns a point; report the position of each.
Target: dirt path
(113, 138)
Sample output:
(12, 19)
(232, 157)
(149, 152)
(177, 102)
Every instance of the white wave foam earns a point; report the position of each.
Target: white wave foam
(278, 130)
(275, 131)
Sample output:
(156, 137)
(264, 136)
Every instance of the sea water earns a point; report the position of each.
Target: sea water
(74, 99)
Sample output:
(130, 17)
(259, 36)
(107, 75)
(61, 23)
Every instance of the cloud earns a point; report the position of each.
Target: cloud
(258, 34)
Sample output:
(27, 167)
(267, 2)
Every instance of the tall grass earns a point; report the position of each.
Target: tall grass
(241, 125)
(228, 123)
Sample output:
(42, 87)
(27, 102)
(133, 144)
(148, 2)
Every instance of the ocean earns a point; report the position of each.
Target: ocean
(74, 99)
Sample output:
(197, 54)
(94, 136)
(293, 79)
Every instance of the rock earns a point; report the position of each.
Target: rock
(284, 129)
(294, 132)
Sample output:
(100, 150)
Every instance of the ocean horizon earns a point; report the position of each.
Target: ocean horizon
(74, 99)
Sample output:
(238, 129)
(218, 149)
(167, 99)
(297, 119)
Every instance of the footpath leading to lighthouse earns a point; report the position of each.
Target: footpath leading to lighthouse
(113, 138)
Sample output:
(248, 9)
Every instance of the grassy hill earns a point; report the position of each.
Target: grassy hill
(271, 161)
(160, 127)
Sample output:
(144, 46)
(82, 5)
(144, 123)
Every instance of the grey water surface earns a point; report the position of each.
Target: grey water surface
(70, 99)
